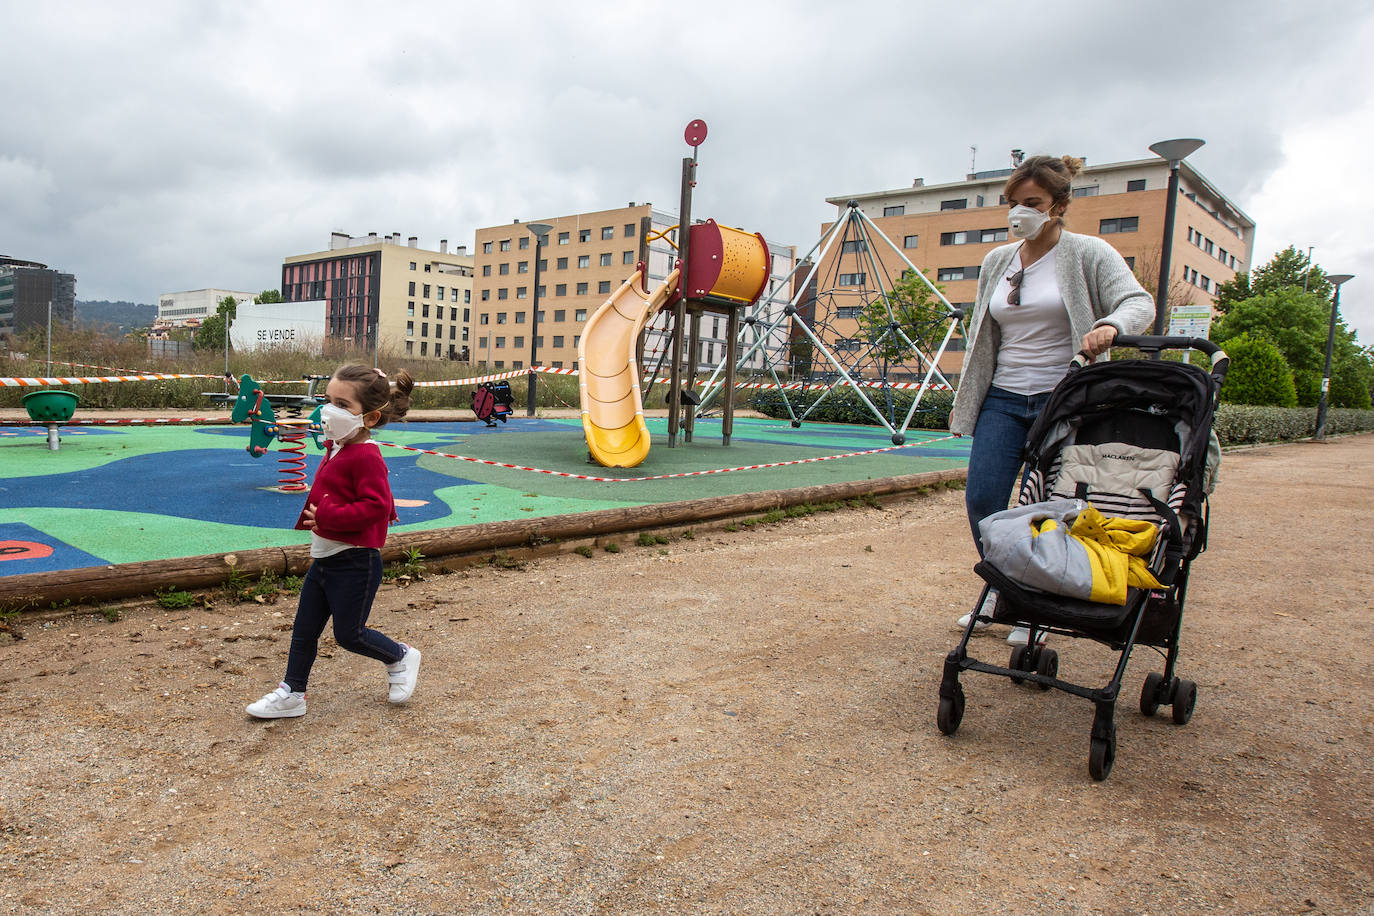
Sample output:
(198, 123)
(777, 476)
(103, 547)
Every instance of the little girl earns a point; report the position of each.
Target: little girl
(347, 513)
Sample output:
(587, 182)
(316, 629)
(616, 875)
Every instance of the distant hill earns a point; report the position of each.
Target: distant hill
(122, 316)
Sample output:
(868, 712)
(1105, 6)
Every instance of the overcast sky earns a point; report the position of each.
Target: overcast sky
(149, 147)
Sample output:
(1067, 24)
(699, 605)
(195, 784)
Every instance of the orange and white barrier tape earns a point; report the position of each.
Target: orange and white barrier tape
(746, 467)
(153, 421)
(44, 382)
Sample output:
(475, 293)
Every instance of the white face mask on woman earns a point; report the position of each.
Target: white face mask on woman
(1026, 222)
(338, 424)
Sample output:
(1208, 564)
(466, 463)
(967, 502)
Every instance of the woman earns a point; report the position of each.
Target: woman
(1040, 300)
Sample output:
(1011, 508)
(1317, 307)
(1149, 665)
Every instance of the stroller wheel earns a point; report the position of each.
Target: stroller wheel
(1185, 698)
(1101, 756)
(1150, 693)
(1019, 662)
(951, 712)
(1048, 665)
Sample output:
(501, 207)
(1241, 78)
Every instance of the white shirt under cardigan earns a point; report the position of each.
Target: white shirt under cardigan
(1037, 341)
(1098, 289)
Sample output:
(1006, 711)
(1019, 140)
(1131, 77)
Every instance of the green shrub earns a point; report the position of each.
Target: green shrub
(1258, 375)
(843, 405)
(1307, 384)
(1241, 424)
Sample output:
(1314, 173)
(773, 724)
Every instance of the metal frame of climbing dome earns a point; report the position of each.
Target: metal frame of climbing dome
(866, 232)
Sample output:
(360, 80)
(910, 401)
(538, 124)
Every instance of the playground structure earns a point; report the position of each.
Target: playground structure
(52, 408)
(252, 404)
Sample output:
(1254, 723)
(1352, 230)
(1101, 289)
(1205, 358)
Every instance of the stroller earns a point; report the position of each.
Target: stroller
(492, 401)
(1122, 414)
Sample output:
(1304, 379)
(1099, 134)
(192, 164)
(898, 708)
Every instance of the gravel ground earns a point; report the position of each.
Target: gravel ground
(739, 722)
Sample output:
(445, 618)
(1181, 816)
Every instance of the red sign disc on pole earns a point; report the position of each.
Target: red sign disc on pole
(695, 134)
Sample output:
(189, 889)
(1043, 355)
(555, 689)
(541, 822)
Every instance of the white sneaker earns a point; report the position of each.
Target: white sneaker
(986, 610)
(1020, 636)
(281, 703)
(402, 675)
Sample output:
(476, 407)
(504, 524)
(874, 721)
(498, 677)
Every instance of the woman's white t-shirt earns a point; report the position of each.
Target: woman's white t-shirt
(1037, 339)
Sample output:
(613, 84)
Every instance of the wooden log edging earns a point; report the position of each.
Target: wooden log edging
(128, 580)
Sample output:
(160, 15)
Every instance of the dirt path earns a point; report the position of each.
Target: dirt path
(734, 723)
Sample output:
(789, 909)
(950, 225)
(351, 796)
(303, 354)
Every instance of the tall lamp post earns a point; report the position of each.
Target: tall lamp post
(1175, 151)
(541, 235)
(1335, 280)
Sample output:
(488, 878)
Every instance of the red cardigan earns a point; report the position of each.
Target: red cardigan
(352, 498)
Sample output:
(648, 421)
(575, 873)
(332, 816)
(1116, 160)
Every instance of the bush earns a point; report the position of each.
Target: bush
(843, 405)
(1258, 375)
(1307, 383)
(1240, 424)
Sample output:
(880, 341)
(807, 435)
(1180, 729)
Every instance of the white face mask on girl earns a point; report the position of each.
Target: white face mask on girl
(338, 424)
(1026, 222)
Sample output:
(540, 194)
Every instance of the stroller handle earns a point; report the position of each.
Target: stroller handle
(1151, 343)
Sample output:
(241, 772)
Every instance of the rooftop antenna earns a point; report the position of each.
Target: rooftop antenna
(973, 161)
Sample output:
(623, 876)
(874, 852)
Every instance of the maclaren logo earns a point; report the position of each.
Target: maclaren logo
(1121, 457)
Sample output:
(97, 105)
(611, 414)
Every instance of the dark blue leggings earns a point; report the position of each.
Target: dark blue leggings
(342, 587)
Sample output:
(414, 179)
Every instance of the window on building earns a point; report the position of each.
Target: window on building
(524, 242)
(849, 311)
(584, 260)
(855, 279)
(1135, 184)
(500, 317)
(522, 292)
(424, 347)
(505, 244)
(503, 293)
(603, 287)
(627, 257)
(1207, 246)
(1089, 191)
(486, 249)
(580, 315)
(503, 269)
(467, 297)
(439, 293)
(910, 241)
(560, 289)
(584, 235)
(410, 308)
(608, 232)
(482, 342)
(606, 259)
(582, 289)
(519, 344)
(562, 263)
(426, 294)
(558, 340)
(542, 291)
(1221, 254)
(410, 346)
(543, 263)
(486, 271)
(1130, 262)
(486, 295)
(438, 330)
(562, 238)
(424, 329)
(500, 343)
(499, 364)
(467, 314)
(854, 245)
(956, 203)
(410, 329)
(412, 265)
(954, 238)
(1118, 224)
(629, 230)
(522, 267)
(412, 288)
(898, 210)
(957, 273)
(424, 310)
(1206, 283)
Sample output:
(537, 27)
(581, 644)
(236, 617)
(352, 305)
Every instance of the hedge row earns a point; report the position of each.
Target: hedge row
(1236, 424)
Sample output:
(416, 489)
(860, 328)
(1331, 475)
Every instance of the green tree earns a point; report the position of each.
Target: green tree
(211, 334)
(918, 312)
(269, 296)
(1258, 374)
(1289, 269)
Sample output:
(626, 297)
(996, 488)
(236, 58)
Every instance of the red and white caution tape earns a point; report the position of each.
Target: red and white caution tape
(746, 467)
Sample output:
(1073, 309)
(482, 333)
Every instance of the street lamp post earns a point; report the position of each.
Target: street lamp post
(541, 235)
(1335, 280)
(1175, 151)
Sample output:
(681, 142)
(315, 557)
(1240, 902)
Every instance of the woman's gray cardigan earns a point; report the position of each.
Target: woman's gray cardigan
(1098, 289)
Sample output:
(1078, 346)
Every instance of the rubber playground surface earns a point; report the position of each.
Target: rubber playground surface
(124, 494)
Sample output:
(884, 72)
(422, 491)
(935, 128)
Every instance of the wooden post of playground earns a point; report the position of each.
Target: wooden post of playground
(689, 171)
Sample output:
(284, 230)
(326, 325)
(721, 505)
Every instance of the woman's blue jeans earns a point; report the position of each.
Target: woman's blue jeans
(342, 587)
(995, 456)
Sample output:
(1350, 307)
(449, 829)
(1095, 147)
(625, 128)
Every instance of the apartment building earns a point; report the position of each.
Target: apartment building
(415, 301)
(28, 290)
(947, 229)
(586, 258)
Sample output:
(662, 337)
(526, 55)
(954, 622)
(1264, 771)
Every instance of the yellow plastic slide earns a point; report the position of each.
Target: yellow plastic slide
(608, 380)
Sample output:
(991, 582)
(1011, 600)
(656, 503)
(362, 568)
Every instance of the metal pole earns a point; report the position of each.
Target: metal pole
(1320, 432)
(49, 337)
(689, 172)
(226, 343)
(1162, 292)
(534, 327)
